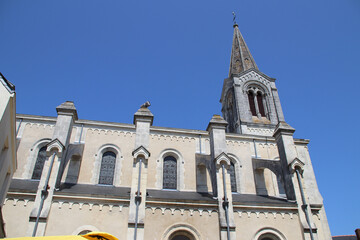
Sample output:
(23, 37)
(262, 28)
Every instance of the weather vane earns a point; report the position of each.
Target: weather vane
(234, 19)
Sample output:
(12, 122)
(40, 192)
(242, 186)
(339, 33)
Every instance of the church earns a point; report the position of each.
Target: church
(244, 177)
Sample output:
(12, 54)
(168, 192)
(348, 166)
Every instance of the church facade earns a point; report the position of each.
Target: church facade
(244, 177)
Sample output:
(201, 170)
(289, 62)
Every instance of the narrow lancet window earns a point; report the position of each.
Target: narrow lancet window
(107, 168)
(260, 104)
(39, 165)
(232, 177)
(252, 103)
(170, 173)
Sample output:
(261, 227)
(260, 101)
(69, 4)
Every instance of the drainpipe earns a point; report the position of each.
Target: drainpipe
(226, 203)
(304, 206)
(137, 199)
(44, 193)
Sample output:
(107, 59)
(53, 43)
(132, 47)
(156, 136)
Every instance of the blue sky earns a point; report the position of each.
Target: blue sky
(111, 56)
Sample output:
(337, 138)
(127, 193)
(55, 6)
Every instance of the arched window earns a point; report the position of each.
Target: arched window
(83, 232)
(260, 103)
(257, 101)
(107, 168)
(181, 235)
(268, 236)
(170, 173)
(252, 103)
(39, 165)
(232, 177)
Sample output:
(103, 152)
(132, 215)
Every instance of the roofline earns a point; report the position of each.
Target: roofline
(9, 86)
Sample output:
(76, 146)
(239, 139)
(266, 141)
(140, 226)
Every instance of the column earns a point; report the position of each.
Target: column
(67, 114)
(143, 119)
(220, 177)
(292, 169)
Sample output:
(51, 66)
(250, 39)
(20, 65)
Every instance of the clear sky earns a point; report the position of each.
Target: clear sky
(111, 56)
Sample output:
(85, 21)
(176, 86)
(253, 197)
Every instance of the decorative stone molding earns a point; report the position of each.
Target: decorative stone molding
(261, 131)
(55, 146)
(266, 214)
(223, 158)
(111, 132)
(297, 164)
(270, 233)
(252, 75)
(180, 210)
(183, 229)
(91, 205)
(141, 151)
(16, 201)
(172, 138)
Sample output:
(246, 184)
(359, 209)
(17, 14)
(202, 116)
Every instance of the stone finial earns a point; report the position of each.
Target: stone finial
(217, 121)
(67, 108)
(283, 128)
(143, 114)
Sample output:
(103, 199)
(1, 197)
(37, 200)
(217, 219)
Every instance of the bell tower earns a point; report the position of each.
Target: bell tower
(249, 98)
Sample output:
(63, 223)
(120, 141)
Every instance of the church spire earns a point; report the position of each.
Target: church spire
(241, 58)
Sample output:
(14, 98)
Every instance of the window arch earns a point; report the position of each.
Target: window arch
(236, 176)
(107, 168)
(179, 168)
(257, 101)
(39, 164)
(269, 234)
(181, 235)
(181, 231)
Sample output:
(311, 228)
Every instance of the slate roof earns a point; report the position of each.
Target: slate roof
(30, 186)
(345, 237)
(90, 190)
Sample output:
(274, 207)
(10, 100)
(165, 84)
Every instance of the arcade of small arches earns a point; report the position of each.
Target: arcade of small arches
(257, 101)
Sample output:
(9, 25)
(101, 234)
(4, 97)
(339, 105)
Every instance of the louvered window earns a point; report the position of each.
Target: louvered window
(252, 103)
(232, 177)
(107, 168)
(170, 173)
(260, 104)
(39, 165)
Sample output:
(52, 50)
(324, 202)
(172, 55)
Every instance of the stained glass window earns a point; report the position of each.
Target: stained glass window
(170, 173)
(39, 165)
(232, 177)
(107, 168)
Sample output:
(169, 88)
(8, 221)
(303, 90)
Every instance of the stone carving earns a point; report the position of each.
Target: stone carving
(145, 105)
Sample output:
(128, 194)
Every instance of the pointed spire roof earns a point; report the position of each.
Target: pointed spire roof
(241, 58)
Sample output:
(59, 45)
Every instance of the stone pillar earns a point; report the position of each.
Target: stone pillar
(67, 114)
(277, 106)
(216, 129)
(289, 162)
(143, 119)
